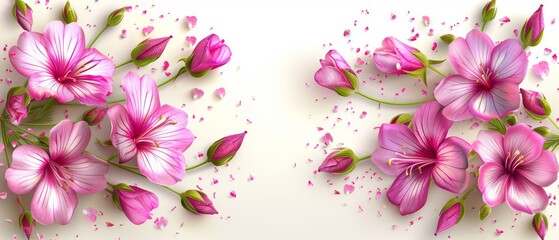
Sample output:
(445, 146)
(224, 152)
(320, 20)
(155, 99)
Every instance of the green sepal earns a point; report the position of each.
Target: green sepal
(543, 130)
(552, 142)
(419, 73)
(497, 124)
(447, 38)
(116, 17)
(402, 118)
(22, 6)
(451, 203)
(221, 161)
(489, 11)
(191, 194)
(44, 141)
(69, 14)
(123, 186)
(29, 217)
(433, 62)
(188, 63)
(472, 154)
(484, 211)
(510, 119)
(104, 143)
(353, 80)
(346, 152)
(545, 106)
(538, 220)
(343, 91)
(421, 57)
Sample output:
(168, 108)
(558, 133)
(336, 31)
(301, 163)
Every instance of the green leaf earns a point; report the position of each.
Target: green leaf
(432, 62)
(552, 142)
(496, 124)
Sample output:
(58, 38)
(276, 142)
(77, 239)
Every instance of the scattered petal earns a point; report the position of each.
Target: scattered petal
(348, 188)
(90, 214)
(191, 21)
(197, 93)
(541, 69)
(147, 30)
(161, 222)
(220, 92)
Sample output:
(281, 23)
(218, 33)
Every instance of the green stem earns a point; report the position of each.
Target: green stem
(553, 122)
(112, 157)
(469, 191)
(172, 190)
(109, 191)
(173, 78)
(364, 158)
(436, 70)
(31, 124)
(128, 169)
(98, 35)
(26, 83)
(124, 63)
(483, 25)
(197, 165)
(24, 130)
(393, 103)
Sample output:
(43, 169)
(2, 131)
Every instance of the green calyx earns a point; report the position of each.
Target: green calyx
(489, 11)
(121, 187)
(497, 124)
(451, 203)
(484, 211)
(448, 38)
(543, 130)
(220, 161)
(69, 14)
(187, 65)
(537, 220)
(137, 51)
(526, 36)
(194, 195)
(22, 6)
(402, 118)
(510, 119)
(116, 17)
(347, 153)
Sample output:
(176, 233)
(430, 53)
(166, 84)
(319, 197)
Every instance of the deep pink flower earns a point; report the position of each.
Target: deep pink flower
(155, 134)
(137, 203)
(59, 174)
(16, 107)
(395, 57)
(515, 168)
(418, 155)
(209, 54)
(335, 74)
(486, 85)
(58, 65)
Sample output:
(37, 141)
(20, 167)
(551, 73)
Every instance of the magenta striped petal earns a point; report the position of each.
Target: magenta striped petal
(542, 171)
(455, 92)
(493, 183)
(68, 140)
(430, 126)
(450, 171)
(489, 147)
(525, 196)
(51, 203)
(26, 170)
(161, 165)
(142, 98)
(410, 191)
(122, 132)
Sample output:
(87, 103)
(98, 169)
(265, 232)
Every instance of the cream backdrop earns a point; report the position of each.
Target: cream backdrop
(276, 47)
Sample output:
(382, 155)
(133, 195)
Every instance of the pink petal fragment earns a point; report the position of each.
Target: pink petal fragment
(197, 93)
(220, 92)
(147, 30)
(191, 40)
(346, 32)
(233, 194)
(191, 21)
(3, 195)
(541, 69)
(161, 222)
(90, 214)
(426, 20)
(327, 139)
(348, 189)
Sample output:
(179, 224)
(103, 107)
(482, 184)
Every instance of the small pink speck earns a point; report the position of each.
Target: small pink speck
(392, 16)
(504, 20)
(161, 222)
(197, 93)
(426, 21)
(123, 33)
(109, 224)
(360, 62)
(346, 33)
(3, 195)
(515, 32)
(541, 69)
(434, 47)
(554, 57)
(220, 92)
(327, 139)
(165, 65)
(499, 231)
(363, 115)
(233, 194)
(147, 30)
(348, 189)
(474, 125)
(191, 21)
(250, 178)
(129, 8)
(191, 40)
(378, 194)
(546, 51)
(310, 184)
(90, 214)
(215, 181)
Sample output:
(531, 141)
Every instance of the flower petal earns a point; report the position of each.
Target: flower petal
(455, 92)
(65, 44)
(542, 171)
(525, 196)
(395, 140)
(88, 173)
(68, 140)
(26, 169)
(160, 165)
(122, 132)
(430, 126)
(493, 181)
(410, 192)
(30, 55)
(43, 85)
(142, 98)
(137, 204)
(330, 77)
(520, 139)
(502, 99)
(171, 129)
(450, 172)
(51, 203)
(489, 147)
(93, 78)
(509, 62)
(470, 57)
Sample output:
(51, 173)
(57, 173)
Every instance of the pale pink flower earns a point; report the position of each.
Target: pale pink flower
(515, 168)
(155, 134)
(58, 65)
(395, 57)
(486, 85)
(59, 174)
(137, 203)
(335, 74)
(419, 155)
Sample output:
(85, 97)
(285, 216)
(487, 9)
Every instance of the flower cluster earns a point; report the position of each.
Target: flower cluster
(513, 161)
(61, 69)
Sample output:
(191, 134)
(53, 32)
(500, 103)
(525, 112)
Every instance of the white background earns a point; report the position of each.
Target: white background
(276, 47)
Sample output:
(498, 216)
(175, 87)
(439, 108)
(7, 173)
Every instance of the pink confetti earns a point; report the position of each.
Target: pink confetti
(233, 194)
(197, 93)
(378, 194)
(147, 30)
(250, 178)
(1, 147)
(504, 20)
(327, 139)
(546, 51)
(165, 65)
(363, 115)
(191, 40)
(346, 33)
(392, 16)
(191, 21)
(109, 224)
(474, 125)
(348, 188)
(220, 92)
(541, 69)
(426, 21)
(3, 195)
(434, 47)
(161, 222)
(90, 214)
(123, 33)
(309, 183)
(554, 57)
(360, 62)
(515, 32)
(499, 231)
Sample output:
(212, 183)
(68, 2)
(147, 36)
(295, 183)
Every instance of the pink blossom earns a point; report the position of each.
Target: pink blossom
(156, 135)
(419, 155)
(395, 57)
(59, 174)
(16, 105)
(58, 65)
(486, 85)
(515, 168)
(137, 203)
(336, 75)
(209, 54)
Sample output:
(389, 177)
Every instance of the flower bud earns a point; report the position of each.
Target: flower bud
(535, 104)
(510, 119)
(395, 57)
(484, 211)
(543, 130)
(95, 115)
(450, 215)
(223, 150)
(26, 223)
(149, 50)
(540, 225)
(136, 203)
(17, 104)
(340, 161)
(532, 31)
(489, 11)
(336, 75)
(23, 14)
(402, 118)
(69, 14)
(210, 53)
(448, 38)
(197, 202)
(116, 17)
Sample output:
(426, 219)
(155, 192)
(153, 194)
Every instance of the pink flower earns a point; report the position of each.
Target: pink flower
(515, 168)
(209, 54)
(486, 85)
(395, 57)
(59, 174)
(418, 155)
(16, 106)
(532, 31)
(224, 149)
(27, 224)
(156, 135)
(137, 203)
(58, 65)
(336, 75)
